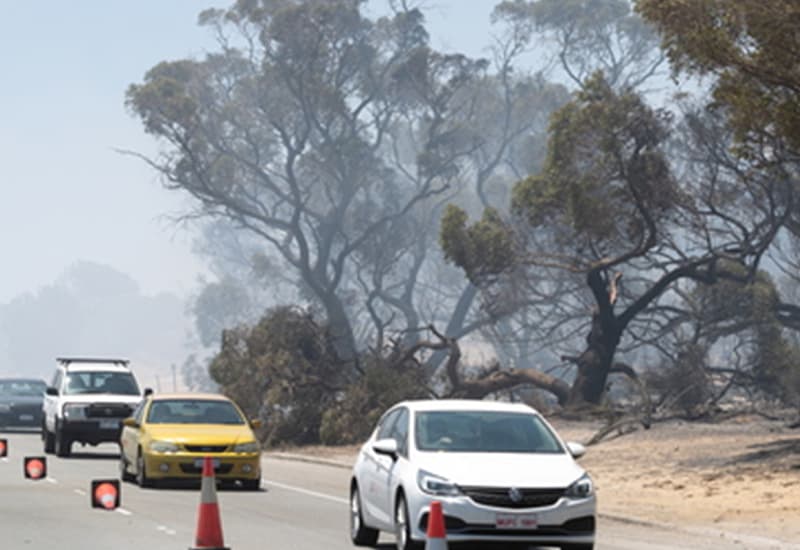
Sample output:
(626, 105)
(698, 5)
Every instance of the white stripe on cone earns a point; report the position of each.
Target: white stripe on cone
(436, 544)
(208, 490)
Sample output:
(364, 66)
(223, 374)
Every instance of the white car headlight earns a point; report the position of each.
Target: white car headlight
(436, 485)
(249, 447)
(164, 447)
(583, 488)
(74, 411)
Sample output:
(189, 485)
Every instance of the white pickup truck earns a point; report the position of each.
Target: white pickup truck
(86, 402)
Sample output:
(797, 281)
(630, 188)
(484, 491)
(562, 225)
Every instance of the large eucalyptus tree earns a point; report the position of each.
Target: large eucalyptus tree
(609, 203)
(284, 131)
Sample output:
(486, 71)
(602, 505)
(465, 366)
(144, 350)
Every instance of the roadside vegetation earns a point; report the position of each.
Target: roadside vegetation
(600, 218)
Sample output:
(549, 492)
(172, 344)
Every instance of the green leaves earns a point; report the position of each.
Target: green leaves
(751, 46)
(605, 189)
(163, 101)
(485, 248)
(605, 177)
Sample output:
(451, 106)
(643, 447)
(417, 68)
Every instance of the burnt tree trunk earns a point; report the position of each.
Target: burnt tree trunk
(595, 363)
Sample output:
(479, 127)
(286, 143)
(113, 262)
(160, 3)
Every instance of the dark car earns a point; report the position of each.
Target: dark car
(21, 402)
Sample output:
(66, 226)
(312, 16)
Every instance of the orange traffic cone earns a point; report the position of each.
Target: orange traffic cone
(209, 526)
(436, 538)
(3, 448)
(105, 493)
(35, 467)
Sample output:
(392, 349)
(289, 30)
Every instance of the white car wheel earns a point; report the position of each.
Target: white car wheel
(360, 534)
(402, 529)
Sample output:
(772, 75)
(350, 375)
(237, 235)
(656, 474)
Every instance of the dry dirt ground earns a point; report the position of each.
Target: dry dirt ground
(740, 476)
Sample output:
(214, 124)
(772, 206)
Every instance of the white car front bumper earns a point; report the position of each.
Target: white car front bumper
(565, 521)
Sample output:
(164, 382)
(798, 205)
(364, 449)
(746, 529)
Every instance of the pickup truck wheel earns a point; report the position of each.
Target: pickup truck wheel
(63, 445)
(49, 441)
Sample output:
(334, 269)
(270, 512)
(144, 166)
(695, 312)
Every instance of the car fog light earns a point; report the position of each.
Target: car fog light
(247, 468)
(164, 467)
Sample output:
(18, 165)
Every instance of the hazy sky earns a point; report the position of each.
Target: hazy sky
(66, 194)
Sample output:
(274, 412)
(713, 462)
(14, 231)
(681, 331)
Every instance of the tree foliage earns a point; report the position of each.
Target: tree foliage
(590, 36)
(749, 311)
(283, 369)
(606, 185)
(751, 48)
(383, 384)
(485, 248)
(285, 134)
(609, 202)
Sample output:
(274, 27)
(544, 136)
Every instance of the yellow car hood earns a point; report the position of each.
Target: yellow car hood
(208, 434)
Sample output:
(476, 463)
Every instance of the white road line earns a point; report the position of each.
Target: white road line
(52, 480)
(166, 530)
(339, 500)
(80, 492)
(124, 512)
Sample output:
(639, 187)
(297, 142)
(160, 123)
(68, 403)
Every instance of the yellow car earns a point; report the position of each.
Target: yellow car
(168, 435)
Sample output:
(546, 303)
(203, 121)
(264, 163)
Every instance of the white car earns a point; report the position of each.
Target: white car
(86, 402)
(500, 471)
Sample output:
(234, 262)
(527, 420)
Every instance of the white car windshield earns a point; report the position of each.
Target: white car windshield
(483, 432)
(119, 383)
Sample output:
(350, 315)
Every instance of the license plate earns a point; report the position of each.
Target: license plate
(198, 462)
(109, 424)
(516, 521)
(26, 417)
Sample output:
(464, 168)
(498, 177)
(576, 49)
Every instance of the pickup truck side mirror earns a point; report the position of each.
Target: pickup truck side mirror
(51, 391)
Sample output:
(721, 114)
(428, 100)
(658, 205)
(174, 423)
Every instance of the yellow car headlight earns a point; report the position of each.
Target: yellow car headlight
(249, 447)
(164, 447)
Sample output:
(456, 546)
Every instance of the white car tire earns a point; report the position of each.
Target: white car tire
(360, 534)
(402, 528)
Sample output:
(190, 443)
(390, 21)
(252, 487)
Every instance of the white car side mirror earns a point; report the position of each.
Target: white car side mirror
(385, 447)
(576, 449)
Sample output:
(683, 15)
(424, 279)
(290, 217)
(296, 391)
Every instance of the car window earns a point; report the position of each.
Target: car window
(484, 431)
(121, 383)
(22, 388)
(400, 432)
(193, 411)
(386, 424)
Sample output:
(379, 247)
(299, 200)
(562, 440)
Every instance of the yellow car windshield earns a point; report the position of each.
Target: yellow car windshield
(193, 411)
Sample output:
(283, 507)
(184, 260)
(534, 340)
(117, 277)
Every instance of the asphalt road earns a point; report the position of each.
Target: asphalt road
(303, 506)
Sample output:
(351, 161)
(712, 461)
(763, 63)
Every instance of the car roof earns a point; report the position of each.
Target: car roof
(190, 395)
(95, 367)
(20, 379)
(466, 405)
